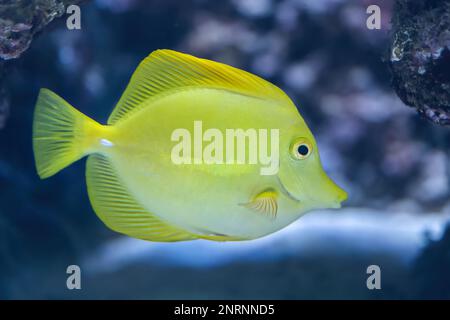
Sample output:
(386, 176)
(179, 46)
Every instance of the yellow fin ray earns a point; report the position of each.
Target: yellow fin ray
(61, 134)
(164, 71)
(119, 211)
(221, 238)
(264, 203)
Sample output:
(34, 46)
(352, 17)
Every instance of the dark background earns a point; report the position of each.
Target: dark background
(394, 165)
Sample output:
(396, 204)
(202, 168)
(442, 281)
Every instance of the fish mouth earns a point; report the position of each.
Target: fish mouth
(285, 191)
(336, 203)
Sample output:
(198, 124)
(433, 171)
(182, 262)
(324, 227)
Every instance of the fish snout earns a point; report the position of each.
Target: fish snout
(341, 196)
(335, 194)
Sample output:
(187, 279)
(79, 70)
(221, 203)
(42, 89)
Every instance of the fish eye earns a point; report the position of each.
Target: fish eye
(301, 149)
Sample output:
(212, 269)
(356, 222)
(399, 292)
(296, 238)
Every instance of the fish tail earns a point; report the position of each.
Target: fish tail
(61, 134)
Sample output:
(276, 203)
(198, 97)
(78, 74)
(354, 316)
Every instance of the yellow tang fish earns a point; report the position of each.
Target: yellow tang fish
(146, 179)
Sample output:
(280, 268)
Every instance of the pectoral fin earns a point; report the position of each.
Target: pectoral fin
(264, 203)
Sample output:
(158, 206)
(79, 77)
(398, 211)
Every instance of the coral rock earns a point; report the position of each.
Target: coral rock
(420, 57)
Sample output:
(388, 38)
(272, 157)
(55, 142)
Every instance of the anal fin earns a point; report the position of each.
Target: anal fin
(120, 211)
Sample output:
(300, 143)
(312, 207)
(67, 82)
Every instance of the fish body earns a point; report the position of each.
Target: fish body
(137, 188)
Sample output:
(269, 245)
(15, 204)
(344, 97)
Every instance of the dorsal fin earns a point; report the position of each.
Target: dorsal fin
(165, 70)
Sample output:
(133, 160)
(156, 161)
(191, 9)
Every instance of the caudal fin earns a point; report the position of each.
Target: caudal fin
(61, 134)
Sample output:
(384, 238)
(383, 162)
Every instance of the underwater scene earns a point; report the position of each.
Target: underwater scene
(234, 149)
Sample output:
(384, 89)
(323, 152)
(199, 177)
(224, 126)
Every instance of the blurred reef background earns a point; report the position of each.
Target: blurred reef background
(342, 76)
